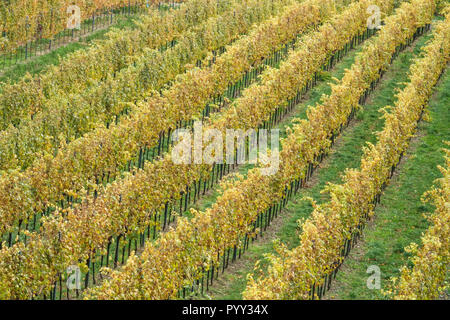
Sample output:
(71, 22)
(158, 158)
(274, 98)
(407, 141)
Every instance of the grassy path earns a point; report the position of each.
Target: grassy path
(346, 154)
(398, 219)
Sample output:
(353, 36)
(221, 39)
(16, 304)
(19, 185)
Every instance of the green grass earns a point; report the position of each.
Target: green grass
(346, 154)
(398, 219)
(40, 63)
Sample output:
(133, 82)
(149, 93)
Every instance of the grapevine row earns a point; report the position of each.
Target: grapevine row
(426, 279)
